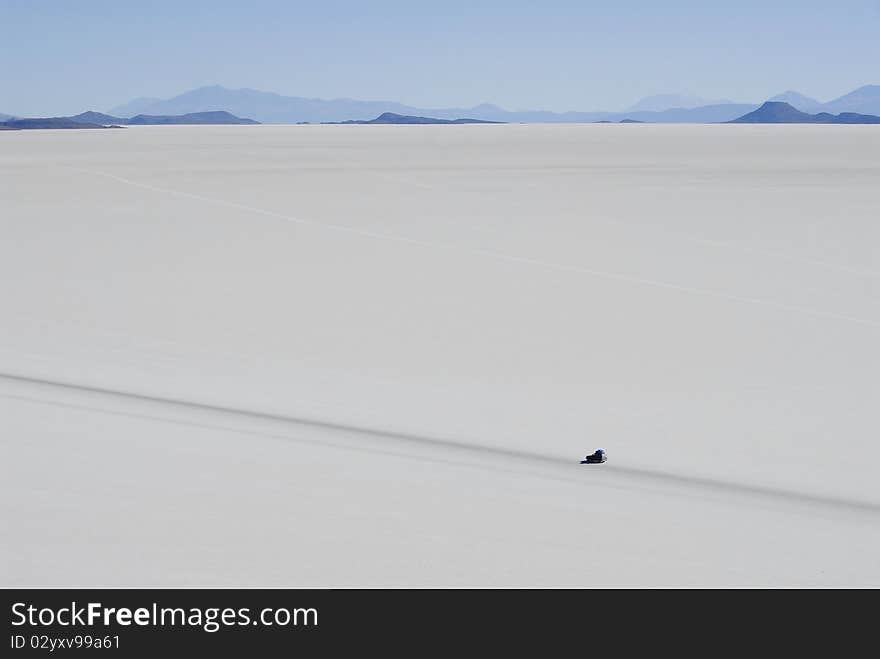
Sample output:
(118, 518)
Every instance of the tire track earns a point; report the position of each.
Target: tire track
(528, 459)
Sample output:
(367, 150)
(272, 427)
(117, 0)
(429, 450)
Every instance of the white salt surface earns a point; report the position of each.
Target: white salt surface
(419, 331)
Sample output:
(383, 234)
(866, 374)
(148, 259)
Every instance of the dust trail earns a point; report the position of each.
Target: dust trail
(528, 459)
(501, 256)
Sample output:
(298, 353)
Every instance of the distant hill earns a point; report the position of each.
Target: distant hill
(661, 102)
(864, 100)
(135, 106)
(392, 118)
(46, 122)
(98, 118)
(708, 114)
(6, 117)
(192, 118)
(777, 112)
(798, 101)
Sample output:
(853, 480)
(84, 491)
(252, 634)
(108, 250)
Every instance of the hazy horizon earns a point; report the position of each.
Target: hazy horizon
(560, 57)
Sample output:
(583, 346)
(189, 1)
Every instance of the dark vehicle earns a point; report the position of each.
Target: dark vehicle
(595, 458)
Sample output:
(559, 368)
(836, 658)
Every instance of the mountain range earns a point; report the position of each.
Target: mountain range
(272, 108)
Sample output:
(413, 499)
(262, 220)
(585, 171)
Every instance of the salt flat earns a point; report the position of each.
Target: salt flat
(370, 355)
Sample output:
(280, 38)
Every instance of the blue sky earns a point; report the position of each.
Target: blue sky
(62, 57)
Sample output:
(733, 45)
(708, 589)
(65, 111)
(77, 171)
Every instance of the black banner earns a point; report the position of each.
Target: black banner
(150, 622)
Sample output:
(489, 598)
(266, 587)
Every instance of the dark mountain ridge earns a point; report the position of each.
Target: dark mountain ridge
(41, 123)
(99, 118)
(778, 112)
(93, 119)
(215, 117)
